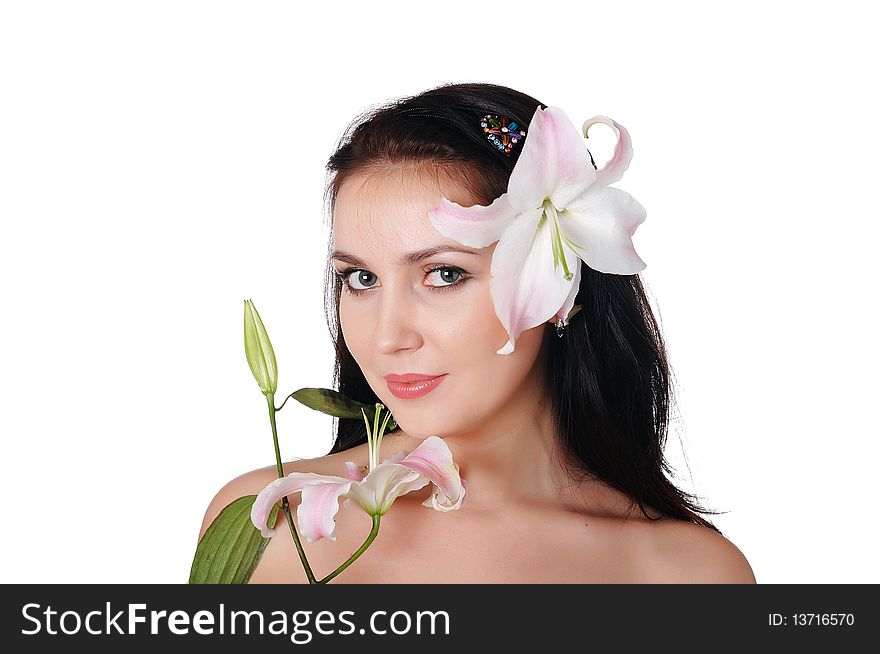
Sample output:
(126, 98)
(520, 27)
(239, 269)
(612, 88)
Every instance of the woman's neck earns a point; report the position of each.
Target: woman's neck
(511, 457)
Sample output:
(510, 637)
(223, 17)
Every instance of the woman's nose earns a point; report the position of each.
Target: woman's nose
(395, 327)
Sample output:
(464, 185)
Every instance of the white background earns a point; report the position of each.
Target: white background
(162, 161)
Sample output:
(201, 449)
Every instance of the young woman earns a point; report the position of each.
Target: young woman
(557, 426)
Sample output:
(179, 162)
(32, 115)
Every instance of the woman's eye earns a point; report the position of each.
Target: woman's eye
(357, 281)
(361, 277)
(445, 276)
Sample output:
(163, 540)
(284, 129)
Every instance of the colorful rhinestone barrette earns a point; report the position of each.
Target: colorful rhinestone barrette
(502, 132)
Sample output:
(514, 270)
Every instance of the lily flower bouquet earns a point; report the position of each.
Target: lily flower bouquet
(558, 212)
(233, 544)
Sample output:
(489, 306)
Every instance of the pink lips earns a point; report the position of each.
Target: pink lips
(412, 385)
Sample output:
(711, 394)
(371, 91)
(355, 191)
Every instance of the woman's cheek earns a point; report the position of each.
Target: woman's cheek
(352, 327)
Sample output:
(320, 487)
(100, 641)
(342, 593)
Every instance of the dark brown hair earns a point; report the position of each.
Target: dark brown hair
(608, 376)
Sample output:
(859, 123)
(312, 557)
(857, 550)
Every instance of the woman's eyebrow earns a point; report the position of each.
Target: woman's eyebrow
(406, 259)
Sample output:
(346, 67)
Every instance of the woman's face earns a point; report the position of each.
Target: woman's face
(431, 315)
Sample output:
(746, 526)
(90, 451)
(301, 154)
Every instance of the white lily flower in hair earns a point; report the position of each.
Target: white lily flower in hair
(557, 211)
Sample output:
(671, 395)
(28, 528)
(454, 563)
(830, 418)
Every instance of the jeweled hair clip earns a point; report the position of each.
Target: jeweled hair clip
(502, 132)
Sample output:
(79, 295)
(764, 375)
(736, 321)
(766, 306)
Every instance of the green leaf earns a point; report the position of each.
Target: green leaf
(334, 403)
(328, 401)
(231, 547)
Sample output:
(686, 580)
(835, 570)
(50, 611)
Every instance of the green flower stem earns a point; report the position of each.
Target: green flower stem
(284, 402)
(285, 505)
(373, 533)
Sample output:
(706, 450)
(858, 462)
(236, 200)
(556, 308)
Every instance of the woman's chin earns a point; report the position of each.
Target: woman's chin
(418, 432)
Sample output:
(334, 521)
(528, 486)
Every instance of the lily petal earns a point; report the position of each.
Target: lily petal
(385, 483)
(433, 459)
(396, 457)
(599, 226)
(354, 471)
(554, 163)
(476, 226)
(572, 294)
(440, 501)
(281, 487)
(318, 508)
(619, 162)
(525, 287)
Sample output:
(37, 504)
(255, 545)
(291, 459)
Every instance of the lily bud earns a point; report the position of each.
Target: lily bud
(258, 348)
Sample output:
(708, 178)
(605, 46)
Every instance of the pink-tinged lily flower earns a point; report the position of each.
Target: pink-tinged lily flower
(557, 210)
(375, 492)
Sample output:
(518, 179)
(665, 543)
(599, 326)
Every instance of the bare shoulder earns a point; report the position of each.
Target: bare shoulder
(251, 483)
(279, 563)
(681, 552)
